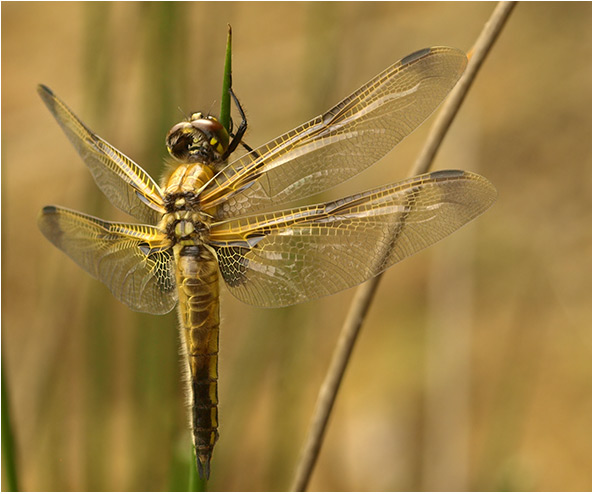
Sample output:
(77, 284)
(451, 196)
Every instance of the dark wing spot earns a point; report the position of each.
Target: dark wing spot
(233, 265)
(415, 56)
(447, 174)
(160, 259)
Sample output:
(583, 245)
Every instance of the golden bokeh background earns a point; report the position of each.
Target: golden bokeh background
(473, 369)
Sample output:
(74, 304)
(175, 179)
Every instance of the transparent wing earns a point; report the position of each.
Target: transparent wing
(132, 260)
(340, 143)
(125, 184)
(287, 257)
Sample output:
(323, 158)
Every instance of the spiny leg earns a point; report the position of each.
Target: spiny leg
(241, 130)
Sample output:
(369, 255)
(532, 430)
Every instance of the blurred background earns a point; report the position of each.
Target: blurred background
(473, 369)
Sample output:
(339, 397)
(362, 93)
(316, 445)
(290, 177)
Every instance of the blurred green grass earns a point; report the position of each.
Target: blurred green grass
(491, 392)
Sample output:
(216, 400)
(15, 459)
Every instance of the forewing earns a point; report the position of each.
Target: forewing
(342, 142)
(288, 257)
(125, 184)
(132, 260)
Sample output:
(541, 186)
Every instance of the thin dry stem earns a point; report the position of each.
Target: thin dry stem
(364, 295)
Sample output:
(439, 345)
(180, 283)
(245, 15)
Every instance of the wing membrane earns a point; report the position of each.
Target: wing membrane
(288, 257)
(125, 184)
(132, 260)
(342, 142)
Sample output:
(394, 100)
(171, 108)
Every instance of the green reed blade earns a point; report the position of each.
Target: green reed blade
(8, 446)
(225, 114)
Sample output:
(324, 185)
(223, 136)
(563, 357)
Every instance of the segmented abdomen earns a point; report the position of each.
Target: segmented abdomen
(198, 286)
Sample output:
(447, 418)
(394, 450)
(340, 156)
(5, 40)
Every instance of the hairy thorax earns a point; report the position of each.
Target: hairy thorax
(185, 223)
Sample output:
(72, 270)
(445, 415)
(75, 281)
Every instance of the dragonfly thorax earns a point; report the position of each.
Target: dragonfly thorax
(182, 187)
(186, 227)
(185, 222)
(200, 139)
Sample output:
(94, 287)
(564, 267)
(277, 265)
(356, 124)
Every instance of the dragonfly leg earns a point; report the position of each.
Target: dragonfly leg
(238, 136)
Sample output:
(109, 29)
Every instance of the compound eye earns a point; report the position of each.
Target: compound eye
(208, 125)
(200, 139)
(179, 145)
(217, 135)
(179, 139)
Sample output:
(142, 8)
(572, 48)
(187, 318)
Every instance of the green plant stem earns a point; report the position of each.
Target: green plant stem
(8, 446)
(225, 114)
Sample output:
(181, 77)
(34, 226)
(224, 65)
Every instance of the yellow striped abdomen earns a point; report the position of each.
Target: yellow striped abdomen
(198, 286)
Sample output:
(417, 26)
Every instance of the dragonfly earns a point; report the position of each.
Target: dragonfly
(212, 217)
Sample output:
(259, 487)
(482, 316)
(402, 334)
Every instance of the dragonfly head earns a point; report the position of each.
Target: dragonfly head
(199, 139)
